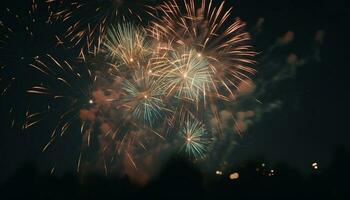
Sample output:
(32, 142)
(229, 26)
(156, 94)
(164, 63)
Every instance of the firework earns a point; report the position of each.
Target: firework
(88, 20)
(22, 41)
(195, 137)
(64, 87)
(143, 97)
(187, 75)
(203, 27)
(127, 44)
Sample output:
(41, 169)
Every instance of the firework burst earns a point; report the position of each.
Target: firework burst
(187, 75)
(127, 44)
(143, 97)
(195, 138)
(203, 27)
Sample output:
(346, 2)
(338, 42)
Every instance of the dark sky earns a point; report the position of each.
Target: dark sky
(311, 130)
(313, 118)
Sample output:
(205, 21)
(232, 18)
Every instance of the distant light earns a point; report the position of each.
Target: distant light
(315, 165)
(91, 101)
(218, 172)
(234, 176)
(263, 164)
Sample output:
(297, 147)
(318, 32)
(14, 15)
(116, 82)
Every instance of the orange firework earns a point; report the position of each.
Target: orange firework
(209, 30)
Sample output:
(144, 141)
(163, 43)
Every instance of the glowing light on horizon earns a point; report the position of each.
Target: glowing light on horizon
(234, 176)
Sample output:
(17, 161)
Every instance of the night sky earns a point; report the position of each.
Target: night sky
(303, 116)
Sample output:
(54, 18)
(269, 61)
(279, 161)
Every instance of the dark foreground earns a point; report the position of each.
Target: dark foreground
(180, 179)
